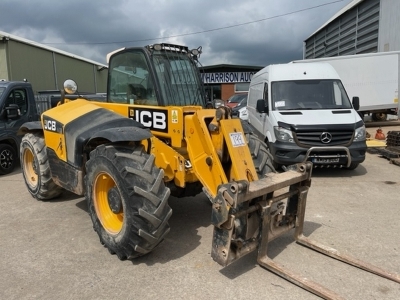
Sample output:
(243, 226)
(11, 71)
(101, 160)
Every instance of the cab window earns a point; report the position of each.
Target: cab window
(130, 81)
(18, 97)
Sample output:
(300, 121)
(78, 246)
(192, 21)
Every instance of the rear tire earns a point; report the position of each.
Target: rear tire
(8, 159)
(36, 169)
(127, 200)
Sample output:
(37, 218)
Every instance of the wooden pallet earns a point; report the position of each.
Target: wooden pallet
(390, 153)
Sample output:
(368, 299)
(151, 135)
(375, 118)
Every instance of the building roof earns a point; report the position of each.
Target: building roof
(235, 67)
(5, 35)
(337, 15)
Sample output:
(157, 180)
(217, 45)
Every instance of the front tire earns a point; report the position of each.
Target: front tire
(127, 200)
(36, 169)
(353, 166)
(8, 159)
(262, 158)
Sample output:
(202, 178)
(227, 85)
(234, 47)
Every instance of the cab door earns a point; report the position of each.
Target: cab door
(17, 97)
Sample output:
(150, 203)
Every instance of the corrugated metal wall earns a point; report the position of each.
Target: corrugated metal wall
(31, 63)
(354, 32)
(47, 70)
(389, 26)
(3, 61)
(84, 74)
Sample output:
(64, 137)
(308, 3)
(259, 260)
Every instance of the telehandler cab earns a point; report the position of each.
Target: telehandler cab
(152, 138)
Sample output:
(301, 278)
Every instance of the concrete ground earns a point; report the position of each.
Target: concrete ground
(48, 250)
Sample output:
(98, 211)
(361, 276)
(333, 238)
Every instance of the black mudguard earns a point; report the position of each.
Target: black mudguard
(121, 134)
(30, 126)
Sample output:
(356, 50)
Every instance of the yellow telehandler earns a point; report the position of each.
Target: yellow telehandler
(152, 138)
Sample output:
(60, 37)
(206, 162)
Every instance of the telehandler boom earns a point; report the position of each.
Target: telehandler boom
(153, 138)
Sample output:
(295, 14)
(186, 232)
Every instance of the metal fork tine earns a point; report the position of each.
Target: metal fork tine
(331, 252)
(280, 270)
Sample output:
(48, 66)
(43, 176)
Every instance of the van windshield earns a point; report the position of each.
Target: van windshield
(2, 90)
(309, 94)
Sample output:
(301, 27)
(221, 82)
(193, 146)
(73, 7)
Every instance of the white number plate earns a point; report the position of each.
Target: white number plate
(237, 139)
(326, 160)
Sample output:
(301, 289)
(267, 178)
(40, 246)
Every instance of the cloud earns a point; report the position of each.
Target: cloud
(91, 29)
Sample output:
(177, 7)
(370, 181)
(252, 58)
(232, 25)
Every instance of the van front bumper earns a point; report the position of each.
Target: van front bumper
(290, 153)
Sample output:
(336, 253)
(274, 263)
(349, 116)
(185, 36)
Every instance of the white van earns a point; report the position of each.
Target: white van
(303, 113)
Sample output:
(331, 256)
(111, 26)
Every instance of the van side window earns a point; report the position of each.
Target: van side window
(265, 96)
(18, 97)
(256, 92)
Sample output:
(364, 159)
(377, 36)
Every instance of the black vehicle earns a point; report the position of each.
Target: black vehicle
(17, 106)
(235, 110)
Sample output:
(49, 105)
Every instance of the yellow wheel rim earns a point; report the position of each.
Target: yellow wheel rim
(30, 168)
(112, 222)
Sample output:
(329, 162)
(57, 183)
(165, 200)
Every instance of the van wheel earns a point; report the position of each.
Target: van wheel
(127, 200)
(8, 159)
(379, 117)
(36, 169)
(352, 166)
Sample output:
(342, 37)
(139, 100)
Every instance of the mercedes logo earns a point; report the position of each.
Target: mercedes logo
(325, 137)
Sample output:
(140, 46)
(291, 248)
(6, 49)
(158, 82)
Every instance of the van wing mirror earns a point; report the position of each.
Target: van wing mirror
(356, 103)
(261, 106)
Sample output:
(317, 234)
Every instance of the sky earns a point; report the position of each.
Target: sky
(246, 32)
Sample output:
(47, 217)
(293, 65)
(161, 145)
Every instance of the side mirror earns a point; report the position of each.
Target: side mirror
(356, 103)
(12, 111)
(261, 106)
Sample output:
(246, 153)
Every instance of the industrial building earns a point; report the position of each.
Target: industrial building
(362, 26)
(47, 68)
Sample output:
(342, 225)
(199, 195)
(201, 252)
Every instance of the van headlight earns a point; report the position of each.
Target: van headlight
(243, 112)
(360, 134)
(283, 134)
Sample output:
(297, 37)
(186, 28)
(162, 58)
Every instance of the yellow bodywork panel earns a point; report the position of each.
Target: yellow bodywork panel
(172, 162)
(54, 120)
(239, 153)
(208, 160)
(154, 116)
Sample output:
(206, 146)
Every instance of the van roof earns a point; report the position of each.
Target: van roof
(296, 71)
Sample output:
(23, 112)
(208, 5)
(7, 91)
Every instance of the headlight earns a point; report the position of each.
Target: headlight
(283, 134)
(360, 134)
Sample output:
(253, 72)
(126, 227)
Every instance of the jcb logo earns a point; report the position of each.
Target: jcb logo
(155, 119)
(52, 125)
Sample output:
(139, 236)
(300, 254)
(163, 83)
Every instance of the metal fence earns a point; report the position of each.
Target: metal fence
(45, 102)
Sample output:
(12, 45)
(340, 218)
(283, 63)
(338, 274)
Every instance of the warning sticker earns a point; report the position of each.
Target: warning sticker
(174, 118)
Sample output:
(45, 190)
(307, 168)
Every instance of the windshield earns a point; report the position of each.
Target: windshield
(237, 98)
(2, 90)
(131, 79)
(309, 94)
(179, 78)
